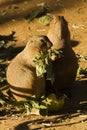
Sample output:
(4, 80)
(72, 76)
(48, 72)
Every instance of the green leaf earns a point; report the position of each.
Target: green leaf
(34, 111)
(3, 44)
(2, 102)
(2, 79)
(34, 104)
(82, 71)
(83, 102)
(27, 107)
(45, 20)
(40, 70)
(43, 107)
(33, 15)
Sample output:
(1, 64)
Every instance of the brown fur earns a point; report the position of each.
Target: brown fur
(21, 74)
(65, 69)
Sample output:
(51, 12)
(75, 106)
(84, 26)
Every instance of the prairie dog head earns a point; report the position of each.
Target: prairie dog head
(58, 32)
(35, 45)
(39, 42)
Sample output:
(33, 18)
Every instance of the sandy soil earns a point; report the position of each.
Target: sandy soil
(12, 18)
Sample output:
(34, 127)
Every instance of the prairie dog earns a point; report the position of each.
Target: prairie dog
(21, 73)
(65, 68)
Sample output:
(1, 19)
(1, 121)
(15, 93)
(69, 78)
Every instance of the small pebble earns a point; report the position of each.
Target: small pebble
(78, 111)
(3, 122)
(83, 116)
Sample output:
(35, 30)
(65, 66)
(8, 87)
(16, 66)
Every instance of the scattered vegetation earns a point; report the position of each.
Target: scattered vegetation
(41, 14)
(37, 13)
(3, 44)
(2, 74)
(33, 106)
(4, 39)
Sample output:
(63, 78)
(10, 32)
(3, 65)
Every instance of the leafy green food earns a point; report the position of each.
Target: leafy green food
(45, 20)
(33, 106)
(55, 104)
(45, 104)
(82, 71)
(41, 61)
(44, 64)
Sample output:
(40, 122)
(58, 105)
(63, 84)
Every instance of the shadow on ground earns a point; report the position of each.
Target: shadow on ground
(79, 94)
(13, 11)
(49, 123)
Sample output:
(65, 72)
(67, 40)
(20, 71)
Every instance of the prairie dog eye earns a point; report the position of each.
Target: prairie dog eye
(46, 43)
(43, 43)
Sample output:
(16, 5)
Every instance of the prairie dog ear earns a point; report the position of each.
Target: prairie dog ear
(30, 41)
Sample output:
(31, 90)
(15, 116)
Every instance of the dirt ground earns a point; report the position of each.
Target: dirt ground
(13, 15)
